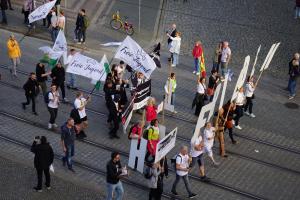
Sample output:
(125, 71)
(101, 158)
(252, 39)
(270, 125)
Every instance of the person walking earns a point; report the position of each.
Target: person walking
(53, 97)
(153, 139)
(4, 7)
(225, 58)
(197, 147)
(31, 87)
(113, 174)
(171, 86)
(58, 79)
(43, 158)
(217, 57)
(239, 102)
(249, 93)
(182, 171)
(28, 7)
(212, 84)
(155, 182)
(209, 135)
(229, 110)
(294, 73)
(9, 4)
(41, 76)
(197, 52)
(79, 27)
(200, 96)
(80, 103)
(175, 48)
(67, 143)
(297, 9)
(219, 124)
(86, 24)
(14, 53)
(72, 77)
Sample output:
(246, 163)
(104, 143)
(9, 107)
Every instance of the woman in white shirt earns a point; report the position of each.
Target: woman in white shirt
(209, 135)
(249, 93)
(53, 97)
(200, 96)
(175, 48)
(239, 102)
(80, 103)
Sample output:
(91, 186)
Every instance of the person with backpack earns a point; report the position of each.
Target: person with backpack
(31, 87)
(52, 100)
(182, 170)
(152, 135)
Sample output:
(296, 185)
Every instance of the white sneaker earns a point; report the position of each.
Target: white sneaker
(233, 122)
(252, 115)
(291, 97)
(49, 126)
(194, 72)
(55, 125)
(198, 73)
(247, 113)
(173, 65)
(65, 99)
(238, 127)
(174, 111)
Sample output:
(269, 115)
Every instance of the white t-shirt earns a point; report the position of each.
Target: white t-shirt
(225, 54)
(79, 103)
(240, 99)
(201, 88)
(53, 99)
(194, 152)
(183, 161)
(209, 133)
(249, 89)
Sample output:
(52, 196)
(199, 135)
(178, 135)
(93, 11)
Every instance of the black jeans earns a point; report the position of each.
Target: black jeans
(200, 104)
(230, 133)
(249, 104)
(155, 194)
(28, 98)
(62, 88)
(115, 128)
(239, 114)
(53, 114)
(40, 177)
(26, 15)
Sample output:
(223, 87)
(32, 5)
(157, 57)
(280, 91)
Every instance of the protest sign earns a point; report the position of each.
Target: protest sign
(165, 145)
(143, 91)
(41, 12)
(60, 45)
(126, 115)
(132, 54)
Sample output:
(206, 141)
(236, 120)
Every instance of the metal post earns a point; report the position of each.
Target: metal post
(139, 16)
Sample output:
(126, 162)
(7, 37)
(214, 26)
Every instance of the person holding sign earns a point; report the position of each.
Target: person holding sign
(209, 135)
(153, 139)
(239, 101)
(249, 93)
(151, 109)
(114, 172)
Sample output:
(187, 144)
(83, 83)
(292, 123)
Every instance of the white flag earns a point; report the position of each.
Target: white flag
(105, 64)
(109, 44)
(253, 68)
(85, 66)
(132, 54)
(41, 12)
(61, 45)
(54, 55)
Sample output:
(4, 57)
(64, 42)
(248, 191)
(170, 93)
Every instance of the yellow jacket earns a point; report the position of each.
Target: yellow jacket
(13, 49)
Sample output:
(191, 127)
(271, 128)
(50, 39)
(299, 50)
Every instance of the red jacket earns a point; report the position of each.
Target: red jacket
(197, 51)
(150, 113)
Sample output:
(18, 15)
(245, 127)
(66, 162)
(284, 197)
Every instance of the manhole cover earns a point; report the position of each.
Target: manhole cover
(291, 105)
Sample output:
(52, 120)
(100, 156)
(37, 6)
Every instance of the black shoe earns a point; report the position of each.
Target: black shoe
(72, 170)
(75, 88)
(174, 193)
(234, 142)
(191, 196)
(204, 179)
(111, 137)
(225, 156)
(64, 162)
(38, 189)
(68, 87)
(116, 136)
(35, 113)
(23, 106)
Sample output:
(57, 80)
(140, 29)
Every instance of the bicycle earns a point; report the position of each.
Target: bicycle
(117, 23)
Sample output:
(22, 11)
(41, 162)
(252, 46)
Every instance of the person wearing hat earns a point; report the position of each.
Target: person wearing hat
(14, 53)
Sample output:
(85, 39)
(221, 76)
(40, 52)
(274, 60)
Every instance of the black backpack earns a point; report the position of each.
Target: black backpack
(46, 97)
(130, 130)
(146, 132)
(147, 172)
(173, 161)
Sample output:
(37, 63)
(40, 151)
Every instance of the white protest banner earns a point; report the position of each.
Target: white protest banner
(160, 107)
(138, 153)
(60, 44)
(253, 68)
(165, 145)
(223, 91)
(242, 78)
(41, 12)
(85, 66)
(269, 59)
(132, 54)
(109, 44)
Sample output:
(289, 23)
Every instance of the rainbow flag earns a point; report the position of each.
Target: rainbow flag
(202, 65)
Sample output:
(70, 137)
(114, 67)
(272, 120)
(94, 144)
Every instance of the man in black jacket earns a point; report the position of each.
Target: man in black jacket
(31, 87)
(41, 76)
(67, 143)
(42, 160)
(3, 6)
(58, 79)
(113, 173)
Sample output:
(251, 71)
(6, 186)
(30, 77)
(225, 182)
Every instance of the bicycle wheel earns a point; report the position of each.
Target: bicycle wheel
(115, 24)
(129, 30)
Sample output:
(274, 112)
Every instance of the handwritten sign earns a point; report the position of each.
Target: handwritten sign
(131, 53)
(41, 12)
(85, 66)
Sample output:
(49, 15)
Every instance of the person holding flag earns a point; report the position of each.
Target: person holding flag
(197, 53)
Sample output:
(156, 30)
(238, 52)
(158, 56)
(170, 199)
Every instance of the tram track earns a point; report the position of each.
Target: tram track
(171, 116)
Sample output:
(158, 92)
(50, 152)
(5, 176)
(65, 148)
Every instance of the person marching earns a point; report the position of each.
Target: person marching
(229, 120)
(239, 101)
(151, 111)
(219, 127)
(41, 76)
(68, 143)
(80, 103)
(31, 87)
(200, 96)
(53, 97)
(209, 135)
(212, 84)
(249, 93)
(58, 78)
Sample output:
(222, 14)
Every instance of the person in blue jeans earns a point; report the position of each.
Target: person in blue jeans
(113, 173)
(294, 74)
(67, 141)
